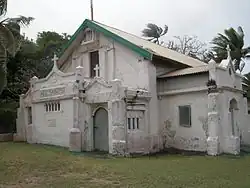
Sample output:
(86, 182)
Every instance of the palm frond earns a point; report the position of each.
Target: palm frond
(151, 31)
(21, 20)
(165, 30)
(7, 39)
(3, 7)
(236, 41)
(240, 32)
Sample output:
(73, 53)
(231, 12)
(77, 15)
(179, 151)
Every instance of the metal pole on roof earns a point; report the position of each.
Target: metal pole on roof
(92, 11)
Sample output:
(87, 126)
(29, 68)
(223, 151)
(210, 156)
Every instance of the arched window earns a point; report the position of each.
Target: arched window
(233, 107)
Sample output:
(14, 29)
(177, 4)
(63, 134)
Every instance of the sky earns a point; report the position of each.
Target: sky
(203, 18)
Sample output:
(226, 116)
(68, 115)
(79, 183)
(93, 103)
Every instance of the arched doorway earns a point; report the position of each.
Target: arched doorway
(101, 137)
(233, 108)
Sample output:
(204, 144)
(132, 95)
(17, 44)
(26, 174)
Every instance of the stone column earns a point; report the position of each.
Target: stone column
(213, 123)
(117, 127)
(75, 144)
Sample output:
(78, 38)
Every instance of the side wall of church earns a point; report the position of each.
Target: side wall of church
(180, 137)
(174, 93)
(178, 83)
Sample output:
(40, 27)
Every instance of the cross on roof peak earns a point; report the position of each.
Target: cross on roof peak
(55, 58)
(228, 52)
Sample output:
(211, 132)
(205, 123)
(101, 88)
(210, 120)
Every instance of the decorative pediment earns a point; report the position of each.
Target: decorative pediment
(55, 76)
(98, 85)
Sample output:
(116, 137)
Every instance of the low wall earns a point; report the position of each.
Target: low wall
(6, 137)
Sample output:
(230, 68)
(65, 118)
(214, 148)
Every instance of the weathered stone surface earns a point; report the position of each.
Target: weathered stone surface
(213, 146)
(75, 140)
(232, 145)
(119, 148)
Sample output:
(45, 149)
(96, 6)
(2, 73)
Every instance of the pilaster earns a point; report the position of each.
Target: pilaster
(213, 123)
(117, 127)
(75, 144)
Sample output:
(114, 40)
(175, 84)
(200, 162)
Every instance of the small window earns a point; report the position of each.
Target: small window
(88, 36)
(55, 106)
(129, 123)
(59, 106)
(29, 115)
(52, 107)
(185, 116)
(133, 123)
(94, 64)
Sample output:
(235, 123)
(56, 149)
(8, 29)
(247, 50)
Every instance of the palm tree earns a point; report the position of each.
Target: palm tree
(235, 40)
(246, 84)
(10, 38)
(154, 32)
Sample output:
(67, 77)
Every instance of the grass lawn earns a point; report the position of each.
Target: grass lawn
(37, 166)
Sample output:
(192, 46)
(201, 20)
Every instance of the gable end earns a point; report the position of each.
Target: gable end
(89, 24)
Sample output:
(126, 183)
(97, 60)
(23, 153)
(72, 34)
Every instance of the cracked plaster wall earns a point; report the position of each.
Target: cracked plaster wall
(192, 138)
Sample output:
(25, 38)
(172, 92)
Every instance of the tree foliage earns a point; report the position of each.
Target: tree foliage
(10, 39)
(32, 59)
(190, 46)
(154, 32)
(235, 40)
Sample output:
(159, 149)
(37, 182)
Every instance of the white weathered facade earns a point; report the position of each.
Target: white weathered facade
(114, 92)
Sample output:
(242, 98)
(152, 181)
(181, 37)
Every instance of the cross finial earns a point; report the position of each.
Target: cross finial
(55, 58)
(97, 70)
(228, 52)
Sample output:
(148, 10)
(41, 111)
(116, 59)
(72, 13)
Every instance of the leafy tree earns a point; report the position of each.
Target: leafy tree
(10, 39)
(154, 32)
(48, 43)
(235, 40)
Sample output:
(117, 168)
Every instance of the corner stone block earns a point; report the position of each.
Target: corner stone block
(75, 140)
(233, 145)
(213, 146)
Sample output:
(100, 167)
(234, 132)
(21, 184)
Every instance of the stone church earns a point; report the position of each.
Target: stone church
(115, 92)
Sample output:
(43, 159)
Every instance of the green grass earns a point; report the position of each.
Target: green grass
(28, 166)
